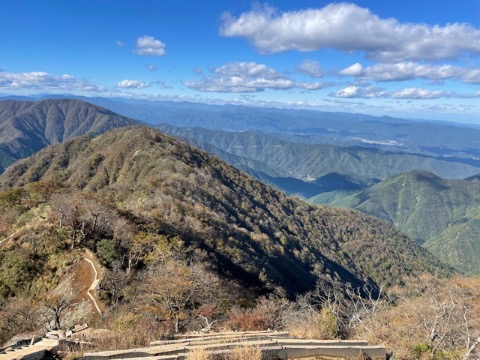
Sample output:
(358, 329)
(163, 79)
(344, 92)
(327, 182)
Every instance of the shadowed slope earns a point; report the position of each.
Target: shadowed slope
(441, 214)
(252, 232)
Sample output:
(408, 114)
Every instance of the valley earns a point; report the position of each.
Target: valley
(186, 239)
(235, 180)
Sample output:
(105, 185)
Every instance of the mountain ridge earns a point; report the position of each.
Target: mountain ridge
(246, 226)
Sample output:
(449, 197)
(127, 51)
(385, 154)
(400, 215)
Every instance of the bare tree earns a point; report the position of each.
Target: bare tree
(54, 306)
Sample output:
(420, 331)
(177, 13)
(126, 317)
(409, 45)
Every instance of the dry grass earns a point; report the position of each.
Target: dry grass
(198, 354)
(319, 325)
(237, 353)
(246, 353)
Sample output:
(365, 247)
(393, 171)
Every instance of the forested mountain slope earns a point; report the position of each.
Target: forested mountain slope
(444, 215)
(252, 233)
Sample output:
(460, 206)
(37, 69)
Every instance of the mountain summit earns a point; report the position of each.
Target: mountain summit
(28, 126)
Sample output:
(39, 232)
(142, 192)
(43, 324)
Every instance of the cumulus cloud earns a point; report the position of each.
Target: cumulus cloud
(354, 91)
(248, 77)
(416, 93)
(149, 46)
(132, 84)
(39, 80)
(348, 92)
(311, 68)
(353, 70)
(472, 76)
(348, 27)
(403, 71)
(369, 92)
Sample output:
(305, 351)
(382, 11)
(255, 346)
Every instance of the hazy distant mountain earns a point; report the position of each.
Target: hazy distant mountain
(251, 232)
(309, 126)
(326, 166)
(444, 215)
(27, 126)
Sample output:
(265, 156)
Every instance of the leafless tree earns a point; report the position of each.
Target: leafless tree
(54, 306)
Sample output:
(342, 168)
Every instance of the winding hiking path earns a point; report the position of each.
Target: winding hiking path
(95, 265)
(93, 287)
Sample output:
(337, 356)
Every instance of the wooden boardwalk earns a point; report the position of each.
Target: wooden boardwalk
(37, 351)
(274, 345)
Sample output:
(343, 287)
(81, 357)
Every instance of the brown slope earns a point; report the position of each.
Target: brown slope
(26, 127)
(252, 232)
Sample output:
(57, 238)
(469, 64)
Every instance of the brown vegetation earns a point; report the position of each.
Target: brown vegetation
(191, 244)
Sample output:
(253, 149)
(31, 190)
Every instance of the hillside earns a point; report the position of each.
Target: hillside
(327, 166)
(28, 126)
(441, 214)
(250, 231)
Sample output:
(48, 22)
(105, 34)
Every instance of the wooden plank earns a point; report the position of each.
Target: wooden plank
(294, 341)
(274, 345)
(232, 333)
(36, 351)
(348, 352)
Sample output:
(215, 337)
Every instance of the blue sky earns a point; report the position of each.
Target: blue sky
(416, 59)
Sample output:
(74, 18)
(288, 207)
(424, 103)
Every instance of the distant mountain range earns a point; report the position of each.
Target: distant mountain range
(307, 126)
(317, 167)
(26, 126)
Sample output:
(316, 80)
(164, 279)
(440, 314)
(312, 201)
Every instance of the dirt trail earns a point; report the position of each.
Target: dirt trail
(98, 271)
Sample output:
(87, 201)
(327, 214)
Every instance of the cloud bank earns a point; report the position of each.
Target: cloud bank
(371, 92)
(39, 80)
(347, 27)
(404, 71)
(311, 68)
(248, 77)
(132, 84)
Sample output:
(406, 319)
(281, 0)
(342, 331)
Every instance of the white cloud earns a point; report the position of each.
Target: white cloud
(249, 69)
(354, 91)
(416, 93)
(369, 92)
(132, 84)
(119, 43)
(149, 46)
(197, 70)
(348, 27)
(151, 67)
(248, 77)
(472, 76)
(403, 71)
(348, 92)
(39, 80)
(311, 86)
(311, 68)
(353, 70)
